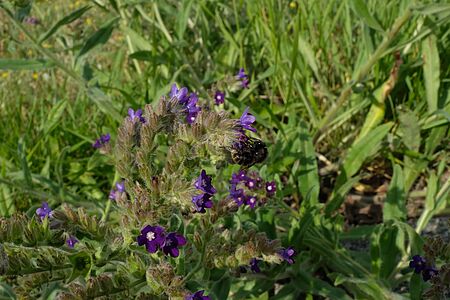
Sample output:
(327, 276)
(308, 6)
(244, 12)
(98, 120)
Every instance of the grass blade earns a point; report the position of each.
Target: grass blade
(431, 71)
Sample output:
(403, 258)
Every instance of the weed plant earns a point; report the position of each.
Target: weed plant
(115, 183)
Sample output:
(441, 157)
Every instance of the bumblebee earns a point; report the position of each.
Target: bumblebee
(248, 152)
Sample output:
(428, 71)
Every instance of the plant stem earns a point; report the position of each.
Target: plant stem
(362, 72)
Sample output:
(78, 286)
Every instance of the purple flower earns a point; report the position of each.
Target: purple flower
(271, 188)
(250, 183)
(113, 194)
(152, 237)
(247, 120)
(101, 141)
(197, 296)
(136, 114)
(203, 183)
(245, 83)
(202, 201)
(241, 74)
(418, 263)
(172, 242)
(120, 186)
(238, 177)
(237, 195)
(192, 108)
(288, 254)
(251, 201)
(428, 273)
(44, 211)
(180, 94)
(219, 97)
(254, 262)
(71, 241)
(32, 20)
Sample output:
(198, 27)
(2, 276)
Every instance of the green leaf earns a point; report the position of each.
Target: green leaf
(307, 175)
(6, 292)
(338, 196)
(416, 287)
(360, 8)
(430, 202)
(361, 150)
(24, 64)
(395, 205)
(182, 18)
(54, 116)
(104, 103)
(431, 71)
(409, 129)
(221, 288)
(99, 37)
(64, 21)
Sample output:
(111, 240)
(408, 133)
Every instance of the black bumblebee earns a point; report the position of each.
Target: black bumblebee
(248, 152)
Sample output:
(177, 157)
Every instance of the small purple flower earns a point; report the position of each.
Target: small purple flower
(120, 186)
(251, 201)
(113, 194)
(241, 74)
(136, 114)
(247, 120)
(271, 188)
(172, 242)
(197, 296)
(203, 183)
(44, 211)
(428, 273)
(238, 177)
(32, 20)
(254, 262)
(237, 195)
(180, 94)
(192, 108)
(101, 141)
(288, 254)
(245, 83)
(202, 201)
(71, 241)
(250, 183)
(219, 97)
(418, 263)
(152, 237)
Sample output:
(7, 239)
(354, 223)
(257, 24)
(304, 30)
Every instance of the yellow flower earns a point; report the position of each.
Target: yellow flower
(35, 75)
(5, 74)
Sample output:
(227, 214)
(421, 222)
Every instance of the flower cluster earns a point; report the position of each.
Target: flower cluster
(189, 101)
(102, 141)
(154, 238)
(243, 77)
(248, 187)
(115, 192)
(420, 265)
(203, 200)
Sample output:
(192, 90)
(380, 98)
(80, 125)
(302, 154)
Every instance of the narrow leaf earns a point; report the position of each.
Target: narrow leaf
(395, 205)
(308, 175)
(101, 36)
(360, 8)
(430, 55)
(64, 21)
(24, 64)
